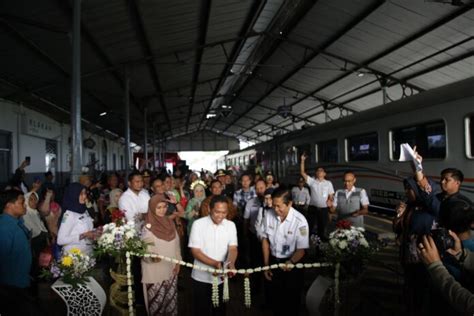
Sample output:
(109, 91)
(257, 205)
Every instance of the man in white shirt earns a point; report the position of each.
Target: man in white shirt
(350, 203)
(134, 201)
(213, 244)
(285, 240)
(322, 192)
(301, 197)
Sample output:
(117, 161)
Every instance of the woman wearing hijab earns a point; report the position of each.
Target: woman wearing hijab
(76, 227)
(114, 197)
(160, 278)
(194, 205)
(38, 231)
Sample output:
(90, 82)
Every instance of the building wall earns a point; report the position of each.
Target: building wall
(30, 131)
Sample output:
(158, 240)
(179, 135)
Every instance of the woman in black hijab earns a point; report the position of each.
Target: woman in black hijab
(76, 228)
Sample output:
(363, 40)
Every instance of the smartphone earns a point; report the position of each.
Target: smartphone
(28, 160)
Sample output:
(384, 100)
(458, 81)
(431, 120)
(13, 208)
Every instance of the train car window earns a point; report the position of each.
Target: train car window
(291, 157)
(363, 147)
(327, 151)
(470, 136)
(306, 149)
(429, 138)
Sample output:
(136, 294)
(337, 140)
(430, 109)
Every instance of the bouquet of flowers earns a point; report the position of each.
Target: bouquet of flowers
(116, 240)
(74, 267)
(348, 245)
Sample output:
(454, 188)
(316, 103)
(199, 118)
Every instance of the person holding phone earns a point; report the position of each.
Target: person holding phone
(18, 180)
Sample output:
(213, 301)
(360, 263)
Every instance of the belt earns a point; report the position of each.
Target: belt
(299, 203)
(279, 260)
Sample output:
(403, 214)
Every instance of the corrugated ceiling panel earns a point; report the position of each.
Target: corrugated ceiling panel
(175, 73)
(110, 24)
(212, 62)
(171, 25)
(226, 19)
(449, 34)
(348, 83)
(326, 18)
(393, 22)
(455, 72)
(283, 60)
(316, 73)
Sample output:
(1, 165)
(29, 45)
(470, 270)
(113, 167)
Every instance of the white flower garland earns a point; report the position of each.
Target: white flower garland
(215, 281)
(226, 295)
(247, 293)
(129, 284)
(215, 291)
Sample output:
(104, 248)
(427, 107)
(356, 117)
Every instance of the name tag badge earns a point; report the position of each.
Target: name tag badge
(285, 249)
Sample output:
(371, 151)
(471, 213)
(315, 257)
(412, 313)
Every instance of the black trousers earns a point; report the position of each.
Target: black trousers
(202, 300)
(285, 290)
(319, 217)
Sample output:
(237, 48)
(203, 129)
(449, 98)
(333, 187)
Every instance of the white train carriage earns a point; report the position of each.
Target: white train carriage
(439, 122)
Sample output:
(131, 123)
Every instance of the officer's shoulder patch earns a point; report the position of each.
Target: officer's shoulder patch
(303, 230)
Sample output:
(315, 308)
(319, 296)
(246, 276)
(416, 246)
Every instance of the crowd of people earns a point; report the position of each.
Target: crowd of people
(222, 223)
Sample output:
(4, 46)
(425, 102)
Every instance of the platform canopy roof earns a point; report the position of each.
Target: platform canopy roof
(249, 69)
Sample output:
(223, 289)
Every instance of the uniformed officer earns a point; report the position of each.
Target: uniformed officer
(285, 238)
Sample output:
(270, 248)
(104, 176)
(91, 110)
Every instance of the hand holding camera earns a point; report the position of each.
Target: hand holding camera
(440, 241)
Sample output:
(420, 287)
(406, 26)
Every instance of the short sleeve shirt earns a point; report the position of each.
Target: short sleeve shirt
(287, 236)
(133, 204)
(214, 241)
(320, 190)
(251, 212)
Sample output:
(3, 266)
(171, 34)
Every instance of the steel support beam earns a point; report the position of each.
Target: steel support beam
(127, 124)
(203, 25)
(139, 27)
(76, 127)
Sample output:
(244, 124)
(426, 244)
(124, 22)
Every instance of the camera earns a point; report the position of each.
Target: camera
(442, 239)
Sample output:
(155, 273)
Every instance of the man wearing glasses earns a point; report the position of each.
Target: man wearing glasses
(350, 203)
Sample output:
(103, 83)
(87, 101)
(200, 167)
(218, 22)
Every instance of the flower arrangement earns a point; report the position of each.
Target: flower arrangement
(349, 246)
(74, 267)
(118, 239)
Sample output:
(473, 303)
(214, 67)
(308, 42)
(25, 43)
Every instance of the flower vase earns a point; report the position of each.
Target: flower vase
(84, 299)
(119, 290)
